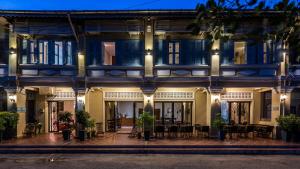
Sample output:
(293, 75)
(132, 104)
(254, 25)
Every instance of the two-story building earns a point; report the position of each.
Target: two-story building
(116, 64)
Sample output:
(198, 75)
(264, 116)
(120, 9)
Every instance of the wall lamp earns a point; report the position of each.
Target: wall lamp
(12, 98)
(215, 51)
(148, 52)
(12, 50)
(283, 97)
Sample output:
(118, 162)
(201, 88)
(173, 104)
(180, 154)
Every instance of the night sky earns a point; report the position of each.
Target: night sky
(98, 4)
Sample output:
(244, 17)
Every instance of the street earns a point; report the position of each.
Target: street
(93, 161)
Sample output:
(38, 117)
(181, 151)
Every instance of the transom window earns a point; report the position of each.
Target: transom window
(174, 48)
(109, 53)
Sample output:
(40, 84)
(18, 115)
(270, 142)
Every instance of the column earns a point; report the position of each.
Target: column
(284, 60)
(149, 48)
(215, 58)
(16, 102)
(81, 57)
(80, 100)
(12, 58)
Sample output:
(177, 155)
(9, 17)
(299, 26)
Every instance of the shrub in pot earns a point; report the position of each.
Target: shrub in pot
(82, 118)
(93, 128)
(219, 123)
(290, 126)
(147, 121)
(2, 128)
(66, 119)
(10, 120)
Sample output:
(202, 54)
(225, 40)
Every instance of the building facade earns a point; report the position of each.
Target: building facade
(117, 64)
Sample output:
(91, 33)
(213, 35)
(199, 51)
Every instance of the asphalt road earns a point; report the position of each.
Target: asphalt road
(91, 161)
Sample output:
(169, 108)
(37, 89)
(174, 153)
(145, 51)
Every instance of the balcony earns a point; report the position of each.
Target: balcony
(115, 71)
(265, 70)
(181, 71)
(3, 70)
(47, 70)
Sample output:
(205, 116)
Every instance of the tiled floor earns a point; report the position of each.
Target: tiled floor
(122, 139)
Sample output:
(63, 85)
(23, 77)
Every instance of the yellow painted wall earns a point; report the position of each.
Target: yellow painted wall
(200, 107)
(94, 105)
(21, 104)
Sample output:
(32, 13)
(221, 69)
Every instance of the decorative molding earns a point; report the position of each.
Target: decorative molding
(174, 96)
(237, 96)
(123, 96)
(62, 96)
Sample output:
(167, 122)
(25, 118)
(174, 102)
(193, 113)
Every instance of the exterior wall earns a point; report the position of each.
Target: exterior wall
(95, 105)
(21, 106)
(200, 107)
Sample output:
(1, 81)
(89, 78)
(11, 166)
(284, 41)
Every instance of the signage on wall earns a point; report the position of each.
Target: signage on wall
(21, 109)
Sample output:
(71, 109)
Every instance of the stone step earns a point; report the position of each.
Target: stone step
(81, 149)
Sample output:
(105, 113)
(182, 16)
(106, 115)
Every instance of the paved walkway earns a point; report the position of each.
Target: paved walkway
(122, 139)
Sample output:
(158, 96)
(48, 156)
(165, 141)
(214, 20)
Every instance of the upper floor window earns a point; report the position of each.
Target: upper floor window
(43, 52)
(33, 57)
(239, 53)
(174, 48)
(58, 53)
(69, 53)
(109, 53)
(266, 110)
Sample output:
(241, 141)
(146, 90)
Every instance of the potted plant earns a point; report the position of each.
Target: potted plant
(290, 126)
(219, 123)
(93, 128)
(10, 120)
(139, 128)
(2, 128)
(66, 119)
(147, 122)
(82, 118)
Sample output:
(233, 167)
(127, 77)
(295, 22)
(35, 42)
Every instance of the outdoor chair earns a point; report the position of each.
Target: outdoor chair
(198, 129)
(172, 133)
(250, 129)
(29, 130)
(159, 131)
(267, 131)
(242, 130)
(99, 129)
(204, 131)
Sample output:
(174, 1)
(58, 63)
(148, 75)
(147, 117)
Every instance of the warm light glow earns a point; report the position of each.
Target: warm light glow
(283, 97)
(216, 97)
(80, 99)
(12, 98)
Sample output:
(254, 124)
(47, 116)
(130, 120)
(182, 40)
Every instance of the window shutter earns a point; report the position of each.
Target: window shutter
(260, 52)
(51, 52)
(74, 52)
(186, 52)
(227, 52)
(98, 52)
(119, 52)
(158, 50)
(165, 51)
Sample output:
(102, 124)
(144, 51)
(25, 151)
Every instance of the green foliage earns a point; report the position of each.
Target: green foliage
(2, 124)
(218, 122)
(215, 15)
(82, 117)
(66, 117)
(289, 123)
(91, 124)
(145, 120)
(9, 119)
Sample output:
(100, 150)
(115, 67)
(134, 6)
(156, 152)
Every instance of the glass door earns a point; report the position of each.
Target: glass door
(54, 108)
(239, 112)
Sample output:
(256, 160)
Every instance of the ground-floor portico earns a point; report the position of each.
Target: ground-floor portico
(116, 109)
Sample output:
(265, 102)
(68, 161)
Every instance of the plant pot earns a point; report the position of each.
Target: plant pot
(286, 136)
(66, 134)
(221, 135)
(81, 135)
(93, 133)
(147, 135)
(88, 135)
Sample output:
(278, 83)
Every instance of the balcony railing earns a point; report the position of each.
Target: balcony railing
(249, 70)
(295, 70)
(47, 70)
(115, 71)
(181, 71)
(3, 70)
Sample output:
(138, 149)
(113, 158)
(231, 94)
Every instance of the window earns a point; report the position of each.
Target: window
(24, 53)
(266, 105)
(43, 52)
(109, 53)
(58, 54)
(174, 48)
(239, 53)
(33, 58)
(69, 53)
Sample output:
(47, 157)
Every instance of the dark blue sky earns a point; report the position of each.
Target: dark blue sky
(98, 4)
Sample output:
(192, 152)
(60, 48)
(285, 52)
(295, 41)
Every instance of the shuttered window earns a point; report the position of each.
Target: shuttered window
(174, 48)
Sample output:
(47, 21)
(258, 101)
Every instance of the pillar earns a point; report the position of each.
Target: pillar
(16, 102)
(149, 47)
(81, 56)
(80, 100)
(94, 104)
(12, 58)
(215, 58)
